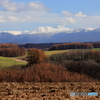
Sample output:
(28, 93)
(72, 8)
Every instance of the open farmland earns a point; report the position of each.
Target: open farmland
(47, 91)
(6, 62)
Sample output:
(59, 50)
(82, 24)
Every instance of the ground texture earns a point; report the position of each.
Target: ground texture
(47, 91)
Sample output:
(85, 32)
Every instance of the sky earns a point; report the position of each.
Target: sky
(22, 15)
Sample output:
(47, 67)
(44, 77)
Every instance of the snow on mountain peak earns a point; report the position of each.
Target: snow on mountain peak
(90, 29)
(13, 32)
(98, 29)
(49, 29)
(82, 29)
(53, 30)
(45, 29)
(17, 32)
(42, 30)
(78, 30)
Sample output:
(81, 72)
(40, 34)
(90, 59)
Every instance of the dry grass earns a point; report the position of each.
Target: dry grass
(44, 72)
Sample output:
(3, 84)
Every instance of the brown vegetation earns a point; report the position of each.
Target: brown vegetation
(35, 56)
(65, 46)
(11, 50)
(44, 72)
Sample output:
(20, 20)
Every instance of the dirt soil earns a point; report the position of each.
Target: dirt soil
(47, 91)
(20, 60)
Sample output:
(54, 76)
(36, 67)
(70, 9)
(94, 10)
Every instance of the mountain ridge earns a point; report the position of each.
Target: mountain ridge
(49, 34)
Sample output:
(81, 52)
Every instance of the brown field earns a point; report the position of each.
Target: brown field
(47, 91)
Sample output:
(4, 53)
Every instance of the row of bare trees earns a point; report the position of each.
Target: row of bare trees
(96, 44)
(71, 46)
(80, 61)
(77, 55)
(11, 50)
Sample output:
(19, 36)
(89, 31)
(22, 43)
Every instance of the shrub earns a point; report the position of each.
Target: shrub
(44, 72)
(35, 56)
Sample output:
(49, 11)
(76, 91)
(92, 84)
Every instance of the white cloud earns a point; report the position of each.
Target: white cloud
(2, 19)
(13, 18)
(37, 16)
(34, 13)
(89, 21)
(45, 18)
(36, 6)
(80, 14)
(21, 19)
(8, 5)
(67, 13)
(80, 20)
(70, 20)
(62, 22)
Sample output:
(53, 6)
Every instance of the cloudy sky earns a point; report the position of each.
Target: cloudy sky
(21, 15)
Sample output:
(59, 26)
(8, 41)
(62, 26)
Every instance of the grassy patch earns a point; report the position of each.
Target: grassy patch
(48, 53)
(96, 49)
(6, 62)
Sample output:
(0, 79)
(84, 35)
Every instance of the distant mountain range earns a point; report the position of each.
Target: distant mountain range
(49, 34)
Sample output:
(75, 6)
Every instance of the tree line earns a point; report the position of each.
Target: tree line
(71, 46)
(46, 46)
(11, 50)
(96, 44)
(80, 61)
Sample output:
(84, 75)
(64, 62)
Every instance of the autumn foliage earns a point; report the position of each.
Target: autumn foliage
(11, 50)
(35, 56)
(44, 72)
(71, 46)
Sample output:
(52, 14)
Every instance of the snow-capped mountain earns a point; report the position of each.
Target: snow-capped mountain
(51, 34)
(49, 29)
(16, 32)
